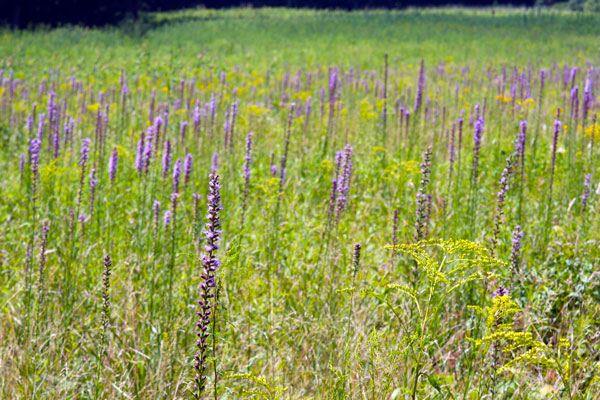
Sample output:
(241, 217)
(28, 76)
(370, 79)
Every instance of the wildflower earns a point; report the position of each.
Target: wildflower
(586, 191)
(105, 297)
(177, 175)
(343, 185)
(210, 263)
(166, 158)
(476, 148)
(113, 164)
(156, 213)
(521, 140)
(85, 152)
(515, 256)
(34, 155)
(421, 213)
(420, 87)
(588, 97)
(500, 198)
(356, 258)
(500, 292)
(167, 219)
(187, 169)
(182, 130)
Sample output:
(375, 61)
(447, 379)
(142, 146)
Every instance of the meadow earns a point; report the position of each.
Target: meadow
(299, 204)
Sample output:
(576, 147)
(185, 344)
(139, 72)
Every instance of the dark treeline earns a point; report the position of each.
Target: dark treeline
(27, 13)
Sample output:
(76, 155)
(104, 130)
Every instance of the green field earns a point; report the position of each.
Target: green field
(402, 132)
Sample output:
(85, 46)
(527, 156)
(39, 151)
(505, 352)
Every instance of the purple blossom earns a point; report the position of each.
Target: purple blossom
(248, 156)
(210, 263)
(56, 144)
(197, 116)
(500, 292)
(177, 175)
(515, 256)
(476, 148)
(521, 140)
(187, 169)
(586, 191)
(575, 102)
(588, 97)
(182, 130)
(113, 163)
(41, 126)
(420, 87)
(500, 198)
(148, 149)
(421, 212)
(166, 159)
(343, 184)
(139, 157)
(85, 152)
(167, 218)
(34, 154)
(573, 76)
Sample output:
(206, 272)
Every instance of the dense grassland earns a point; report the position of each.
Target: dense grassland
(402, 205)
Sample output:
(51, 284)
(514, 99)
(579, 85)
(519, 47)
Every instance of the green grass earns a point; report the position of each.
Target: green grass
(297, 318)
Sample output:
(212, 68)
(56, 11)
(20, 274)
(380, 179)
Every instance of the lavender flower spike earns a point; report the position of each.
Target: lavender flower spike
(515, 255)
(177, 175)
(586, 191)
(113, 164)
(421, 213)
(210, 263)
(167, 219)
(85, 152)
(187, 169)
(167, 158)
(34, 155)
(420, 87)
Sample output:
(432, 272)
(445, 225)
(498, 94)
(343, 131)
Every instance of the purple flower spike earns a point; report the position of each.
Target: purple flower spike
(500, 292)
(187, 169)
(183, 128)
(34, 154)
(422, 198)
(85, 152)
(167, 158)
(167, 218)
(586, 191)
(420, 87)
(113, 164)
(210, 263)
(515, 255)
(177, 175)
